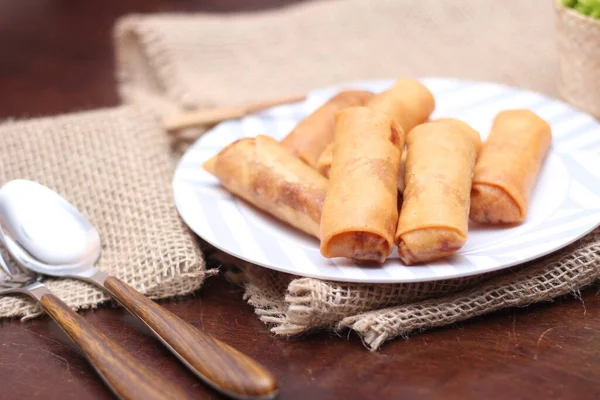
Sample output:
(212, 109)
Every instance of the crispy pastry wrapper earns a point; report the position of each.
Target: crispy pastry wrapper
(360, 211)
(402, 172)
(434, 216)
(508, 167)
(261, 171)
(325, 160)
(312, 135)
(408, 102)
(324, 165)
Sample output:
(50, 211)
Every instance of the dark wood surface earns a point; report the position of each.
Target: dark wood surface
(56, 56)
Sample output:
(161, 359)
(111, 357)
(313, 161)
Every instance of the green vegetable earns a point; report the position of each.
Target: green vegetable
(582, 8)
(590, 8)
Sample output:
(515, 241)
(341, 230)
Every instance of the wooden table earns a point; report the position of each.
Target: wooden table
(56, 56)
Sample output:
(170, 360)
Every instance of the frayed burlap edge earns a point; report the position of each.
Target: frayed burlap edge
(566, 272)
(25, 308)
(292, 305)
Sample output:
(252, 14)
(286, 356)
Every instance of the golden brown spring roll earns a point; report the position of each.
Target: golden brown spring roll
(434, 217)
(261, 171)
(408, 102)
(402, 172)
(508, 166)
(308, 140)
(360, 211)
(325, 160)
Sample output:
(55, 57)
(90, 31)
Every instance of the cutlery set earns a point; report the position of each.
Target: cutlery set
(47, 236)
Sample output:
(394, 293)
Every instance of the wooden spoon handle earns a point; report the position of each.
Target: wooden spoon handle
(218, 364)
(128, 378)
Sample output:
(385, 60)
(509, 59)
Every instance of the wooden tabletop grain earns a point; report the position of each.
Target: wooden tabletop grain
(56, 56)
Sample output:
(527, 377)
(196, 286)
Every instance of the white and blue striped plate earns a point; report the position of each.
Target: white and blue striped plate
(565, 204)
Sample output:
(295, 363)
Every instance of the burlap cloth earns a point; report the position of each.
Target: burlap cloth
(197, 60)
(172, 62)
(115, 166)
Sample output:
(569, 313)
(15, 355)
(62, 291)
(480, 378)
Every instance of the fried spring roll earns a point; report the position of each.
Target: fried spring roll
(434, 216)
(402, 172)
(508, 166)
(360, 211)
(324, 165)
(308, 140)
(408, 102)
(265, 174)
(325, 160)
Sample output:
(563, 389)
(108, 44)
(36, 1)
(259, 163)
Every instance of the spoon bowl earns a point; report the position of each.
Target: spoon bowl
(44, 231)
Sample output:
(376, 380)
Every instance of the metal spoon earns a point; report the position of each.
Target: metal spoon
(126, 376)
(46, 234)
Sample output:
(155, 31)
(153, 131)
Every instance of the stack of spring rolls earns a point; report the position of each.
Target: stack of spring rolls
(365, 173)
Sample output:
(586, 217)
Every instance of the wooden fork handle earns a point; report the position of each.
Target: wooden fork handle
(128, 378)
(218, 364)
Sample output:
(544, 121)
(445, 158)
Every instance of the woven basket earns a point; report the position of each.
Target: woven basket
(578, 59)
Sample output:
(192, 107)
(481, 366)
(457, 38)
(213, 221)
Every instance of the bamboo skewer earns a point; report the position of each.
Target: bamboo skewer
(215, 115)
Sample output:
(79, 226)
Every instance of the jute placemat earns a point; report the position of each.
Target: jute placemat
(180, 61)
(115, 166)
(196, 60)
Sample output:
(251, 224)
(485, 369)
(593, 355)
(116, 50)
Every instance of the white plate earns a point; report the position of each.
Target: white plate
(565, 204)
